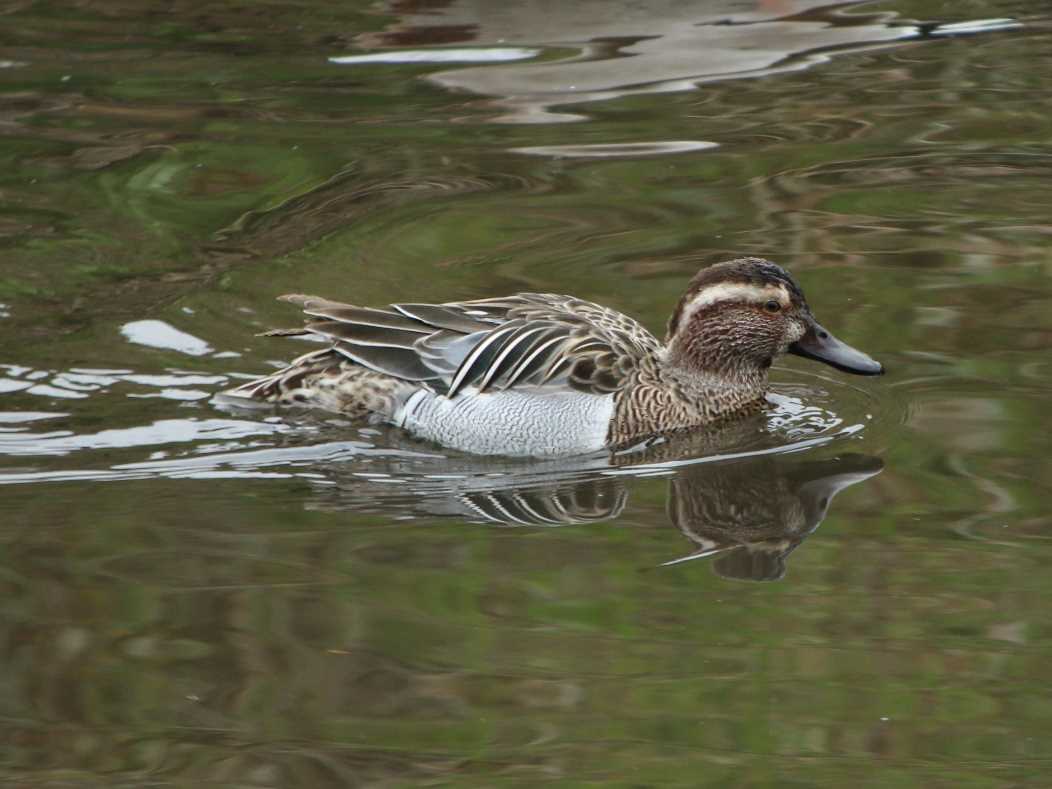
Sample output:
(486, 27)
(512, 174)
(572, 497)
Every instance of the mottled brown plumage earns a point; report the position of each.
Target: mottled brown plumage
(413, 364)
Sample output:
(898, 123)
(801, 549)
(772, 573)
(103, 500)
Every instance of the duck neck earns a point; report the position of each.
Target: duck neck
(720, 391)
(712, 367)
(668, 397)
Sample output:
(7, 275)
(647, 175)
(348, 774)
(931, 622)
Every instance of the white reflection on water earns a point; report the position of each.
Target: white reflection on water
(164, 431)
(412, 466)
(974, 26)
(158, 334)
(44, 390)
(616, 150)
(175, 394)
(624, 48)
(78, 383)
(16, 417)
(477, 55)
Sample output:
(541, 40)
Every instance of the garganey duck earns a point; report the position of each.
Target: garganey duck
(542, 374)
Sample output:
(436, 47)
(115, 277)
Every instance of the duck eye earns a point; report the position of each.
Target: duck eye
(772, 306)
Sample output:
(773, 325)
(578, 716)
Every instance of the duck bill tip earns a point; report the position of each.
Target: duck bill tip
(820, 345)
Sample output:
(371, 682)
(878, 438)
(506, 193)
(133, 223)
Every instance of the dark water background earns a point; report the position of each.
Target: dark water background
(198, 597)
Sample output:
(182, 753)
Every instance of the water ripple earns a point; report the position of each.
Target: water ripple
(617, 150)
(313, 445)
(671, 48)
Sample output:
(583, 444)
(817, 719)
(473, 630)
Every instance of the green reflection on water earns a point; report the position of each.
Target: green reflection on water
(251, 632)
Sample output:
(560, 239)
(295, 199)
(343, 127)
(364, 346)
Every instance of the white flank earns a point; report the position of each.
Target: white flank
(510, 422)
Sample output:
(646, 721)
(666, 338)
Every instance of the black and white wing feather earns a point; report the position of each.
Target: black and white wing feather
(531, 339)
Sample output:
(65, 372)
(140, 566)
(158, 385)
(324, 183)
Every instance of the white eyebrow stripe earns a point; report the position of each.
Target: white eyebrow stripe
(733, 291)
(738, 291)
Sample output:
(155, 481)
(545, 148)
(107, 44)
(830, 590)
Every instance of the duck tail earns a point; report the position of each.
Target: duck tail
(328, 380)
(275, 388)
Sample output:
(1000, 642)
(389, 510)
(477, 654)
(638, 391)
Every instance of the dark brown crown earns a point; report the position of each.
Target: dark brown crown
(743, 271)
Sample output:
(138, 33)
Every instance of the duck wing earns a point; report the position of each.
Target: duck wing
(530, 339)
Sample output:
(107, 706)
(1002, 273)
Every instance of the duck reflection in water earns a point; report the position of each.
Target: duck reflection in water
(746, 514)
(749, 516)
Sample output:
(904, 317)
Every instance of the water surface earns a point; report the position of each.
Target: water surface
(849, 589)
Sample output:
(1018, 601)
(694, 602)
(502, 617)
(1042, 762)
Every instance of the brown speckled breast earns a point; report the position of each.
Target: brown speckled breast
(660, 399)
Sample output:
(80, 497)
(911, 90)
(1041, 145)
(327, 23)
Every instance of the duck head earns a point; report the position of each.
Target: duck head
(737, 317)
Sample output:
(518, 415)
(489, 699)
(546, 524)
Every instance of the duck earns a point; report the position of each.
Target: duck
(541, 374)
